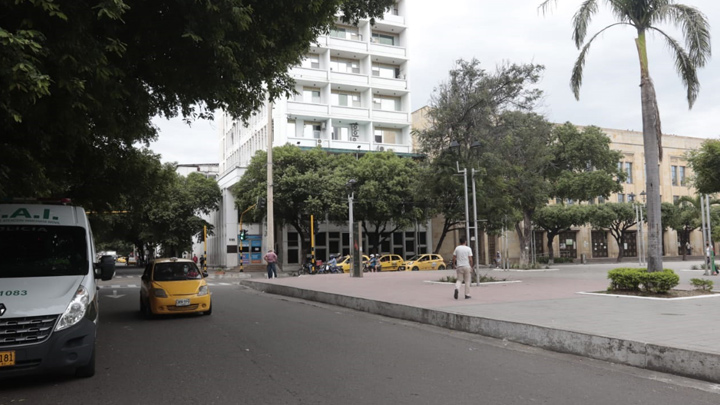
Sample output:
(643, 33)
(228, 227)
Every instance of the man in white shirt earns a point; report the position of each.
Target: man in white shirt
(463, 261)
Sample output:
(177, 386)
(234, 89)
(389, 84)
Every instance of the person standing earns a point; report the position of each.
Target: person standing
(463, 261)
(498, 259)
(708, 252)
(271, 259)
(195, 259)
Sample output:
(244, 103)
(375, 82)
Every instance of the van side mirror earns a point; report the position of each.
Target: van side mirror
(105, 269)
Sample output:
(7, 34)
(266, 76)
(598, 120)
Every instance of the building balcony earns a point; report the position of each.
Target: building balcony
(391, 116)
(386, 83)
(350, 112)
(393, 19)
(349, 78)
(315, 75)
(347, 44)
(388, 50)
(301, 108)
(397, 148)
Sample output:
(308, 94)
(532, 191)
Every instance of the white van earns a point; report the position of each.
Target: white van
(48, 295)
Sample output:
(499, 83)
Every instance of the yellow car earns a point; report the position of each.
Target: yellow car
(121, 259)
(174, 286)
(427, 261)
(391, 262)
(345, 262)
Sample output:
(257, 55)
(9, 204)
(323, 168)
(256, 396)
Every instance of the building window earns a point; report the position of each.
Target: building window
(385, 135)
(384, 39)
(601, 200)
(341, 133)
(312, 130)
(311, 61)
(676, 198)
(681, 175)
(350, 33)
(311, 95)
(290, 128)
(387, 103)
(673, 175)
(621, 198)
(386, 71)
(346, 99)
(630, 198)
(628, 172)
(344, 65)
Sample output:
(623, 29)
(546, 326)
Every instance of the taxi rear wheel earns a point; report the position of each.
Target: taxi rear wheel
(416, 268)
(441, 267)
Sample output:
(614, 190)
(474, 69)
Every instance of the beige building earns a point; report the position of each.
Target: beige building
(597, 245)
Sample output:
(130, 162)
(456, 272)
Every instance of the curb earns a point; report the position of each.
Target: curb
(666, 359)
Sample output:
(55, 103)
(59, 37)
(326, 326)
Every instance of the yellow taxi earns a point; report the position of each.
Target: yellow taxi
(174, 286)
(345, 262)
(121, 259)
(391, 262)
(428, 261)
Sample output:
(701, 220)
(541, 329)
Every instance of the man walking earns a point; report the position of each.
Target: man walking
(271, 259)
(463, 261)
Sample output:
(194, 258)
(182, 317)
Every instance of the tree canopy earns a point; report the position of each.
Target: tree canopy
(82, 79)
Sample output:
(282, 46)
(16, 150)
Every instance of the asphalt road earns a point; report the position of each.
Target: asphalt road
(262, 349)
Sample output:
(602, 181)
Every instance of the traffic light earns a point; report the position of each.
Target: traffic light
(243, 234)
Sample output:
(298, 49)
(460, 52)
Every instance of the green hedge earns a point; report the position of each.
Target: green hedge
(633, 279)
(545, 260)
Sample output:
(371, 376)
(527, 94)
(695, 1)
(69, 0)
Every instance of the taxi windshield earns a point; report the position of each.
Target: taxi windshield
(176, 271)
(413, 259)
(42, 251)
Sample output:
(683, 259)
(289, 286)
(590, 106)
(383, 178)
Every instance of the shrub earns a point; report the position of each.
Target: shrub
(632, 279)
(556, 260)
(701, 284)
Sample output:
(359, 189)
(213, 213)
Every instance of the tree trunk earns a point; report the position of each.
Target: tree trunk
(651, 141)
(551, 250)
(524, 233)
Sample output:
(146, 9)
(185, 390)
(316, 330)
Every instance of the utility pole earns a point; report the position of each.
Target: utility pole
(270, 213)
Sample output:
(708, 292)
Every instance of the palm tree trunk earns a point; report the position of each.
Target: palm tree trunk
(651, 135)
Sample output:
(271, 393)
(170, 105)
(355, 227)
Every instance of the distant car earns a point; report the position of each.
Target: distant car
(391, 262)
(346, 261)
(131, 260)
(174, 286)
(427, 261)
(121, 259)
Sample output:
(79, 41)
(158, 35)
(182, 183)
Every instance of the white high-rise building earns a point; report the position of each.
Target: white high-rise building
(353, 94)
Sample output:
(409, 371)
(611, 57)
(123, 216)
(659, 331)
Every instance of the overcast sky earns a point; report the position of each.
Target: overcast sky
(494, 31)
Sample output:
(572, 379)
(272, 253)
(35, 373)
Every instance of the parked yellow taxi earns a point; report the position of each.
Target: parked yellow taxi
(391, 262)
(345, 262)
(428, 261)
(174, 286)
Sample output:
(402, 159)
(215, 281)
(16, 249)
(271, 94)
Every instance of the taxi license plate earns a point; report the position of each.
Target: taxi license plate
(7, 358)
(182, 303)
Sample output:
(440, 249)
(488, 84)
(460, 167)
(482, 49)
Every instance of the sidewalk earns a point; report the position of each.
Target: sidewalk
(540, 308)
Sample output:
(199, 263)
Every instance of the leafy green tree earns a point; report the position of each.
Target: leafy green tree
(556, 219)
(644, 16)
(164, 211)
(385, 195)
(705, 162)
(618, 218)
(584, 165)
(82, 79)
(464, 111)
(305, 183)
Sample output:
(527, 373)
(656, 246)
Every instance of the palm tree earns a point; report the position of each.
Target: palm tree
(644, 15)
